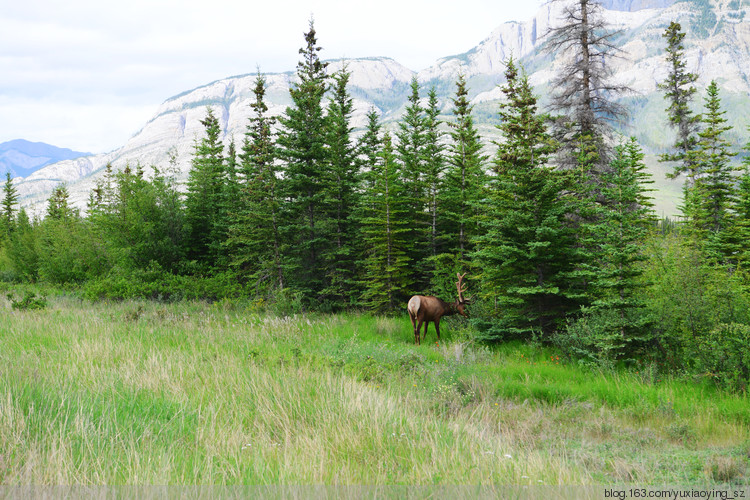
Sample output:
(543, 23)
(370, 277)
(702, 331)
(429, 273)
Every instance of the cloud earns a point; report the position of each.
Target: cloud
(93, 127)
(87, 65)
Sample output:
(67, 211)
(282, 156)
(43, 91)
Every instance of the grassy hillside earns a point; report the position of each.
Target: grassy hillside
(191, 393)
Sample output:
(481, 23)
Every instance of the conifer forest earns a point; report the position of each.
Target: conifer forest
(551, 222)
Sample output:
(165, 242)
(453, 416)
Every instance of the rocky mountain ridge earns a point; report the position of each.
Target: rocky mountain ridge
(717, 47)
(22, 158)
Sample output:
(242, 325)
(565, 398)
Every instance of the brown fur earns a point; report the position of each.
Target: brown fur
(423, 309)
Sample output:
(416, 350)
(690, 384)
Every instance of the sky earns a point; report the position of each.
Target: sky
(87, 75)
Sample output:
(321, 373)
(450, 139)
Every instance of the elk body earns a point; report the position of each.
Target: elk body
(423, 309)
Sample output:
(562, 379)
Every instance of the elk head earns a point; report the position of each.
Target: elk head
(461, 302)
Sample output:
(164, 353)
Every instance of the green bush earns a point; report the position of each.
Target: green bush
(154, 283)
(70, 252)
(596, 337)
(723, 355)
(30, 301)
(286, 302)
(687, 298)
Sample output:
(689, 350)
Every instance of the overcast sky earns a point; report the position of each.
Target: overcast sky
(88, 74)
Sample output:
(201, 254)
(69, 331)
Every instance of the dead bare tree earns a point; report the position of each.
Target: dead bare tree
(583, 91)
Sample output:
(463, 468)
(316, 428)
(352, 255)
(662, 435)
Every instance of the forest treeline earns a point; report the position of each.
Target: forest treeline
(555, 231)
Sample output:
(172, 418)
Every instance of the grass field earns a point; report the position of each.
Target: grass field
(192, 393)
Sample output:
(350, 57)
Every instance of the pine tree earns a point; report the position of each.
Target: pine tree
(254, 237)
(302, 142)
(384, 232)
(203, 203)
(342, 194)
(464, 179)
(524, 249)
(679, 90)
(411, 153)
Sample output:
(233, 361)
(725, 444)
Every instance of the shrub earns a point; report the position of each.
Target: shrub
(286, 302)
(30, 301)
(597, 336)
(70, 252)
(687, 298)
(724, 356)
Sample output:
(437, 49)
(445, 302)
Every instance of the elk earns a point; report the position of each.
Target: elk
(423, 309)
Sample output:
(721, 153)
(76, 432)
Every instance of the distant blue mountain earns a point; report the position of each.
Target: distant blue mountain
(22, 158)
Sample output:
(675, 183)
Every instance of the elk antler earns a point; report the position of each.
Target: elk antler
(461, 286)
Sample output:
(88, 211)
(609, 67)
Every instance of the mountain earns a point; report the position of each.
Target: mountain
(717, 47)
(22, 158)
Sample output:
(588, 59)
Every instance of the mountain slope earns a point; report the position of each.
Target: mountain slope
(22, 158)
(717, 47)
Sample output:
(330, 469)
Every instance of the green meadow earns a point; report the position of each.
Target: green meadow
(224, 394)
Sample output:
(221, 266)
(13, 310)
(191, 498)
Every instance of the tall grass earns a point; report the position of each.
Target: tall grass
(191, 393)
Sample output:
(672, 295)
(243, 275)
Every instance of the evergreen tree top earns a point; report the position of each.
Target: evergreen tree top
(311, 68)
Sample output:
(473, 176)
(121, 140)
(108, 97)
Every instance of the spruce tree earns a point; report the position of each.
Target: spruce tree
(255, 240)
(384, 231)
(204, 200)
(302, 142)
(679, 90)
(342, 179)
(228, 206)
(741, 211)
(10, 200)
(715, 185)
(624, 224)
(143, 222)
(434, 163)
(58, 206)
(23, 248)
(369, 149)
(464, 179)
(411, 138)
(524, 248)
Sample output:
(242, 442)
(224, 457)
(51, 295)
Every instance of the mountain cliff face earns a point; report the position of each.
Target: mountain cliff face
(717, 43)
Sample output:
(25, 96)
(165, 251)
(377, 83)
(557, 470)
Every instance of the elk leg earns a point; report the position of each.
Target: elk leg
(426, 324)
(414, 328)
(416, 332)
(437, 328)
